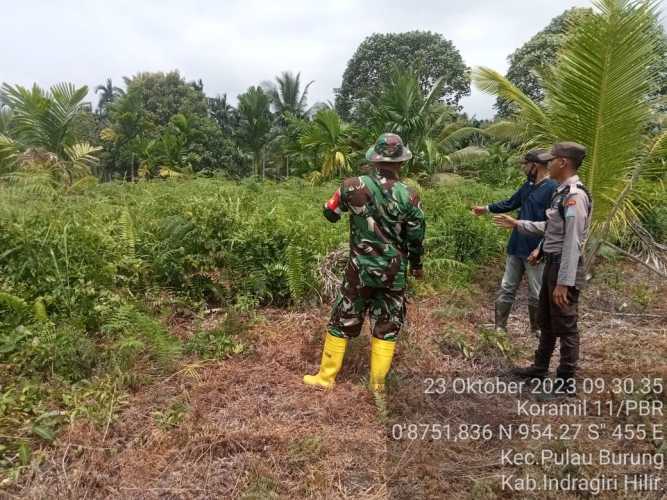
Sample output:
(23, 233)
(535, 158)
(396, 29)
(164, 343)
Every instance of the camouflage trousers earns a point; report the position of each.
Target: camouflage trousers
(385, 307)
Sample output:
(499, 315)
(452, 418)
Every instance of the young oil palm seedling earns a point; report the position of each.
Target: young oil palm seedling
(598, 95)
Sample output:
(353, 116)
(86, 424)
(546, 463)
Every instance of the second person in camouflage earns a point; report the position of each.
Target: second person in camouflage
(386, 237)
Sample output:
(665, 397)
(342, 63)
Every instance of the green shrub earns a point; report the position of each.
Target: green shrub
(41, 348)
(133, 334)
(649, 195)
(213, 344)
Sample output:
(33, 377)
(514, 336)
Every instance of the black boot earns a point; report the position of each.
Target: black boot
(532, 371)
(502, 313)
(534, 325)
(540, 367)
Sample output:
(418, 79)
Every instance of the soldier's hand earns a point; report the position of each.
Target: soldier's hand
(560, 296)
(417, 273)
(504, 221)
(479, 210)
(534, 258)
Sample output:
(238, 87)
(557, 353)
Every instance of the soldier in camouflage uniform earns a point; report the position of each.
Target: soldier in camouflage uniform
(386, 237)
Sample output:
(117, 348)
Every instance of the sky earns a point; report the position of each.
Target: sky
(232, 44)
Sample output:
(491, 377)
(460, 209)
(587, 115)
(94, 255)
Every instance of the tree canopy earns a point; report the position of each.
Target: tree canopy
(540, 54)
(430, 55)
(287, 96)
(160, 112)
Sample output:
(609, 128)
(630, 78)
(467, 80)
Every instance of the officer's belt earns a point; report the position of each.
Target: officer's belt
(552, 257)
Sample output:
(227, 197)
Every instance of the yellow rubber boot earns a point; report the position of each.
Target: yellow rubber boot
(382, 352)
(332, 361)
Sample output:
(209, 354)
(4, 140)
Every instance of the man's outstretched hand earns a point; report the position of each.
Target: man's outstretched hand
(504, 221)
(479, 210)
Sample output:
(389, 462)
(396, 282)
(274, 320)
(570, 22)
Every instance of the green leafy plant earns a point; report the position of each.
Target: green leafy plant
(213, 344)
(172, 416)
(299, 273)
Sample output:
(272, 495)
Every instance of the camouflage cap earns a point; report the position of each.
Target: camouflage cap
(533, 156)
(388, 148)
(572, 150)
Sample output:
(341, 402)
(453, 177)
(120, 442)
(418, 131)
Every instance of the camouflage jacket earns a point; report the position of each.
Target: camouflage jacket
(386, 229)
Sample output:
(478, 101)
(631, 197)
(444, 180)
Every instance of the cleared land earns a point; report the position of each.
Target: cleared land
(246, 427)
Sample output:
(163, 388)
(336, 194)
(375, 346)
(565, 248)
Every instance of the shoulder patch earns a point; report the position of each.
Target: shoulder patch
(334, 202)
(571, 202)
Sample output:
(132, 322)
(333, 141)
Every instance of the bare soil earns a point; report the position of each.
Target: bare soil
(251, 429)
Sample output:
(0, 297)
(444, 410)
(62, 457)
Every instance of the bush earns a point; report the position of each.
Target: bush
(214, 344)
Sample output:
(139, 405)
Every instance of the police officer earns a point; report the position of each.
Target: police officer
(386, 237)
(532, 199)
(565, 232)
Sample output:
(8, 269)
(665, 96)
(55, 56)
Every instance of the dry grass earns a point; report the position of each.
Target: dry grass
(253, 430)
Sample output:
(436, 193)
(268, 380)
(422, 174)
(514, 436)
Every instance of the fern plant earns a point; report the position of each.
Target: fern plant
(296, 273)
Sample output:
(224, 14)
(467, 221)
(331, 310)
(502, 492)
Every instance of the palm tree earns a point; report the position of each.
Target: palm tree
(287, 97)
(327, 136)
(255, 121)
(223, 113)
(597, 96)
(108, 94)
(43, 137)
(426, 125)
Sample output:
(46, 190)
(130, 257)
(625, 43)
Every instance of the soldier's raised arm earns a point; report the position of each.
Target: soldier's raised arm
(415, 230)
(577, 207)
(334, 207)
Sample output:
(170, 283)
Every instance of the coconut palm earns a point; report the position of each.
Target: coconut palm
(44, 119)
(427, 126)
(287, 96)
(223, 113)
(597, 96)
(327, 136)
(5, 120)
(108, 93)
(400, 107)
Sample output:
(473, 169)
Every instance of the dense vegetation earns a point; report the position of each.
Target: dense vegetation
(85, 278)
(166, 202)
